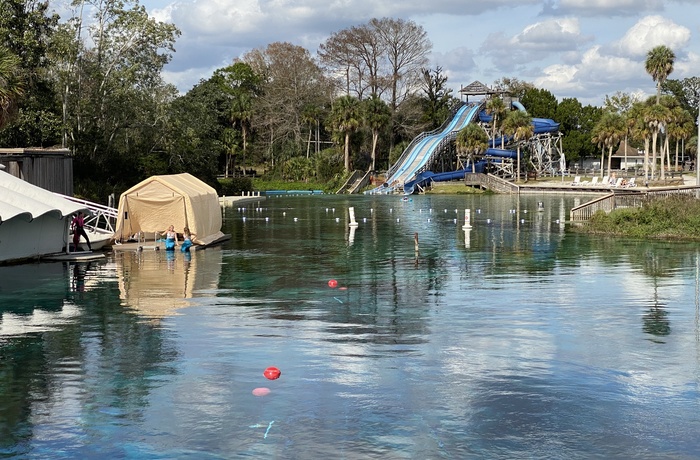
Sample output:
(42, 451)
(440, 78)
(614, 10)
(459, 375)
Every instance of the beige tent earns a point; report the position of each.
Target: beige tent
(181, 200)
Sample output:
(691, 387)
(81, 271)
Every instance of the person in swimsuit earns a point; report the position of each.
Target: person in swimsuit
(170, 238)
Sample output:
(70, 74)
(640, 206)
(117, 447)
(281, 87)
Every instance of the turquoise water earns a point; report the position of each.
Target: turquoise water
(512, 340)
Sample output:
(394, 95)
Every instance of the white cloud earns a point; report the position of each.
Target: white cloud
(651, 31)
(688, 67)
(553, 34)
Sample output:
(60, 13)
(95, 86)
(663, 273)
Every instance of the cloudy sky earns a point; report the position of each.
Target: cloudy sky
(574, 48)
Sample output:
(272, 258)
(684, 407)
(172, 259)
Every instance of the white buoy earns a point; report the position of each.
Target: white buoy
(540, 206)
(284, 213)
(488, 221)
(337, 219)
(353, 223)
(295, 219)
(467, 219)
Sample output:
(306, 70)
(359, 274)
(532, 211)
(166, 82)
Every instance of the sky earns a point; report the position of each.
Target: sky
(585, 49)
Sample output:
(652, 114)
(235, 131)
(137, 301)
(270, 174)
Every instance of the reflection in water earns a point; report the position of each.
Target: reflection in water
(156, 284)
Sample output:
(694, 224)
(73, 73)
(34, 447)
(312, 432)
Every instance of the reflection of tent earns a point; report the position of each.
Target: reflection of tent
(156, 284)
(181, 200)
(33, 221)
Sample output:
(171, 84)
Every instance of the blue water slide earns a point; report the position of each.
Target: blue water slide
(415, 158)
(426, 177)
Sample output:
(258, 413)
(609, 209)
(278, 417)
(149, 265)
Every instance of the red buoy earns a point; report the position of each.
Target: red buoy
(332, 283)
(272, 373)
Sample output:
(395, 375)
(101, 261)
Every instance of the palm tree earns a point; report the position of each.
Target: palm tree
(241, 114)
(471, 141)
(346, 118)
(376, 116)
(519, 125)
(639, 130)
(608, 132)
(659, 65)
(311, 115)
(11, 86)
(656, 117)
(497, 109)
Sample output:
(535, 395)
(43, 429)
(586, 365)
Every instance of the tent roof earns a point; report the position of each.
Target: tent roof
(183, 184)
(20, 199)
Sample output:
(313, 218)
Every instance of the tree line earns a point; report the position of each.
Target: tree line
(93, 83)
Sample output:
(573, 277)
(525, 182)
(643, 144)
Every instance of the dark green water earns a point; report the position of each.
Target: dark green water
(513, 340)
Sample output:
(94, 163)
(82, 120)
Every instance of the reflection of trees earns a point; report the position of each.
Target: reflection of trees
(106, 353)
(656, 321)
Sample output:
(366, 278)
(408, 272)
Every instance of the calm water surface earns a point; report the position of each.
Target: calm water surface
(513, 340)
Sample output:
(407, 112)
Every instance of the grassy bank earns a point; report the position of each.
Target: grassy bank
(676, 217)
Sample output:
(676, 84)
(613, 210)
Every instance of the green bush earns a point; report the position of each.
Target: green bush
(235, 185)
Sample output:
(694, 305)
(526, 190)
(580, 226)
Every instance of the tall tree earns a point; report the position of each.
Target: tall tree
(576, 124)
(608, 133)
(471, 141)
(26, 30)
(438, 99)
(406, 46)
(656, 116)
(118, 111)
(497, 109)
(376, 117)
(346, 118)
(518, 124)
(290, 81)
(659, 64)
(11, 86)
(240, 86)
(539, 102)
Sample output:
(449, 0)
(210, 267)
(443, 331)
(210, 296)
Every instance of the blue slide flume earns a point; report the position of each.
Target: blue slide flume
(419, 153)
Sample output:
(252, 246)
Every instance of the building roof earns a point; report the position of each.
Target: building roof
(22, 200)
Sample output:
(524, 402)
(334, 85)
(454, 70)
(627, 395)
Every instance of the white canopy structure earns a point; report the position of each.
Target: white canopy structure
(33, 221)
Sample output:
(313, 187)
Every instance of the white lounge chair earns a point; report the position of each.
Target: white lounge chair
(631, 183)
(617, 182)
(577, 180)
(594, 180)
(604, 181)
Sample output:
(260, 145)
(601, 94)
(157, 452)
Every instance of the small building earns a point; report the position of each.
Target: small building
(50, 169)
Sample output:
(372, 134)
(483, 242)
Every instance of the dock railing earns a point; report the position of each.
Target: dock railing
(491, 182)
(100, 216)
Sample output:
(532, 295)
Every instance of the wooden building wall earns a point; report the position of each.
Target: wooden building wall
(49, 169)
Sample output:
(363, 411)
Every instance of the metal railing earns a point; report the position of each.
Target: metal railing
(100, 216)
(627, 199)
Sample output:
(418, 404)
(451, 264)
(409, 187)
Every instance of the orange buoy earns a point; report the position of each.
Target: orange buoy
(272, 373)
(332, 283)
